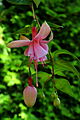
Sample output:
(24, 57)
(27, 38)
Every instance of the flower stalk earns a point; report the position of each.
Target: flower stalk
(34, 16)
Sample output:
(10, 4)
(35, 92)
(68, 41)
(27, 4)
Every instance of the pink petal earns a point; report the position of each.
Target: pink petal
(44, 31)
(18, 43)
(44, 41)
(39, 51)
(29, 51)
(42, 58)
(45, 46)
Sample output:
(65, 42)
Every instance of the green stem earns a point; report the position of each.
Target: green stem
(52, 62)
(37, 21)
(34, 16)
(29, 72)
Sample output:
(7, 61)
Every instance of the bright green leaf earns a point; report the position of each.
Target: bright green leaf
(67, 66)
(11, 79)
(64, 86)
(2, 86)
(4, 99)
(63, 51)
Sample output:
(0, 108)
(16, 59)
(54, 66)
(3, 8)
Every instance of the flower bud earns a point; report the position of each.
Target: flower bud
(56, 102)
(30, 95)
(42, 95)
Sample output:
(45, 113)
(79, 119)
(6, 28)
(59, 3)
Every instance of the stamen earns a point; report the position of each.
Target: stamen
(36, 78)
(36, 65)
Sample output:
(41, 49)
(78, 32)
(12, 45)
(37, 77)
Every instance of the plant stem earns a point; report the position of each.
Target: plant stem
(34, 16)
(29, 72)
(52, 62)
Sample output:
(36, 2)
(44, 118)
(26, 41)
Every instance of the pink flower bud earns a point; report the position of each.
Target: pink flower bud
(30, 95)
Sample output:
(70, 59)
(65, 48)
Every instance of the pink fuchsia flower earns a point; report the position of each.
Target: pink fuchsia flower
(37, 47)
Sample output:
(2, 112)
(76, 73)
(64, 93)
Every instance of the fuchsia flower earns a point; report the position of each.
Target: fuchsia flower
(37, 47)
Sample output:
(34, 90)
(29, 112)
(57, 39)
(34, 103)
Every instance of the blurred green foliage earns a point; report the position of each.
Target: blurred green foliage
(63, 18)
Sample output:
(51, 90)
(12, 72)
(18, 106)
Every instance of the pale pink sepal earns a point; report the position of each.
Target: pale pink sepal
(45, 46)
(44, 31)
(51, 36)
(18, 43)
(47, 41)
(29, 51)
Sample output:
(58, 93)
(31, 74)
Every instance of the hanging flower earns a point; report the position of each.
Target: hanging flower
(37, 47)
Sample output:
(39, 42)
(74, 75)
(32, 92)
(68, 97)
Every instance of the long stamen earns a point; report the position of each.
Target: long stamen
(36, 65)
(36, 78)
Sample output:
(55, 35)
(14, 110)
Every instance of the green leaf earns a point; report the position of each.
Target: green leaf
(63, 51)
(67, 66)
(2, 86)
(20, 2)
(64, 86)
(37, 2)
(44, 76)
(12, 79)
(54, 25)
(4, 99)
(59, 72)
